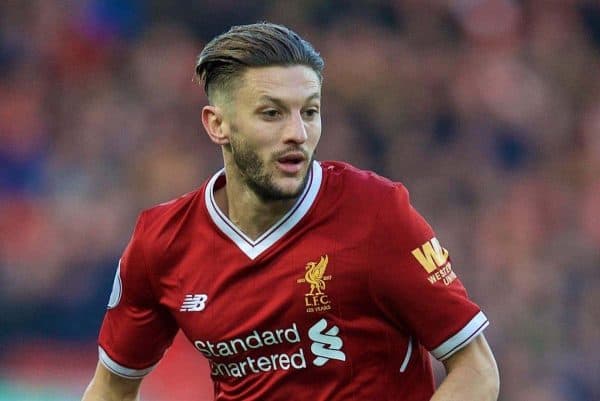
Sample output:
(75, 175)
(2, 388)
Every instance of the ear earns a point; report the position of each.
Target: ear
(212, 119)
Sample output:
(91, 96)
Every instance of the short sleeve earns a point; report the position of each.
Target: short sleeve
(136, 330)
(413, 281)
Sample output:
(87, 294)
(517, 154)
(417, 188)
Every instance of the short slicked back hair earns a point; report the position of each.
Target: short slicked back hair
(227, 56)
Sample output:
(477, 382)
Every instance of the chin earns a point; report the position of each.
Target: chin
(280, 189)
(278, 186)
(289, 190)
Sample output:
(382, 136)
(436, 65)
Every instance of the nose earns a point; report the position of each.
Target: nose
(295, 130)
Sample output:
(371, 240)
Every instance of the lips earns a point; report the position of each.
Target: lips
(291, 162)
(293, 158)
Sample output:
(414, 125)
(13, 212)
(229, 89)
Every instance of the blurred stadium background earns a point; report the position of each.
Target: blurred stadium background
(488, 110)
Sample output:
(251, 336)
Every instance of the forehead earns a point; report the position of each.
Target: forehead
(291, 83)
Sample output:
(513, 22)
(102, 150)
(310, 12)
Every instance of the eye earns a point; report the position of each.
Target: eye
(311, 113)
(270, 114)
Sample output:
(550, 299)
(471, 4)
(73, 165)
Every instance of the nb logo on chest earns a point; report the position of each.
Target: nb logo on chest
(194, 303)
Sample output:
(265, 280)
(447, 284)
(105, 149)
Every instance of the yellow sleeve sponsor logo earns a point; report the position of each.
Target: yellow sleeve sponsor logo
(432, 256)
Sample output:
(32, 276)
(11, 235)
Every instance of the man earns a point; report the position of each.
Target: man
(298, 280)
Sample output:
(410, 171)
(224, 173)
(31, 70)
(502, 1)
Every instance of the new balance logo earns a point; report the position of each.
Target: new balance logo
(327, 344)
(194, 303)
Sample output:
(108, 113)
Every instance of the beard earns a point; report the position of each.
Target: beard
(255, 174)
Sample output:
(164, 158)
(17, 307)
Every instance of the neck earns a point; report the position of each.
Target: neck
(250, 213)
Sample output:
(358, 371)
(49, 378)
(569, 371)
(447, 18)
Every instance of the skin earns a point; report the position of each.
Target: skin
(471, 374)
(106, 386)
(275, 112)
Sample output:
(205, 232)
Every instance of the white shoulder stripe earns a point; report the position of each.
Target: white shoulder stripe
(121, 370)
(462, 338)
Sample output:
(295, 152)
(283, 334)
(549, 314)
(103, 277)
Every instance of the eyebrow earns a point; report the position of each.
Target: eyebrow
(280, 102)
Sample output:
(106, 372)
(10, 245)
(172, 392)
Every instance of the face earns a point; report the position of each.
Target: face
(273, 124)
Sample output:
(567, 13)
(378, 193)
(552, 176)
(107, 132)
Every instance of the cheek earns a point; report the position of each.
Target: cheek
(253, 134)
(314, 133)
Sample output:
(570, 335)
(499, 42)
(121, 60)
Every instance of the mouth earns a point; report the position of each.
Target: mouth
(292, 162)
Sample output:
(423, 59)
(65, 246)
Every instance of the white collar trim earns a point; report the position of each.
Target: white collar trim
(253, 248)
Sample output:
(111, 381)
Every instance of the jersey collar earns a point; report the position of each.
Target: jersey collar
(254, 248)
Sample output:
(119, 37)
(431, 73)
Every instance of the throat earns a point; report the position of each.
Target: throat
(251, 215)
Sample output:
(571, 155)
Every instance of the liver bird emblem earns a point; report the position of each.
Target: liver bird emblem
(315, 275)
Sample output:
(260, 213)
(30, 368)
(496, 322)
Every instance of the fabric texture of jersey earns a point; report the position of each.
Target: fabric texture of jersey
(342, 299)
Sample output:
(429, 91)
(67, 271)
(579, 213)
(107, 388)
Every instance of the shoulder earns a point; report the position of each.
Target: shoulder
(365, 192)
(363, 183)
(159, 226)
(173, 209)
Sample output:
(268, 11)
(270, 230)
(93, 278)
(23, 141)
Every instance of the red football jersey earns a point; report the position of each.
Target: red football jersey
(342, 299)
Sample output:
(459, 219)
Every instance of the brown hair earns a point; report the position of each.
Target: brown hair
(263, 44)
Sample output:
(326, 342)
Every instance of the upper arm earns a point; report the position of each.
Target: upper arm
(472, 374)
(137, 329)
(414, 282)
(477, 357)
(107, 386)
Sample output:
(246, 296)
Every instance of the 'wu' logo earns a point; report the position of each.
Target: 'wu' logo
(194, 303)
(431, 255)
(327, 344)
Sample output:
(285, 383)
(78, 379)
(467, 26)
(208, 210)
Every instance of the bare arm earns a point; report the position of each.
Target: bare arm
(472, 374)
(107, 386)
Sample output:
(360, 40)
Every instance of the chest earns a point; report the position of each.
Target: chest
(219, 293)
(216, 293)
(304, 303)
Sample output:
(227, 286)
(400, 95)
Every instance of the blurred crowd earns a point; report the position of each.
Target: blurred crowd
(487, 110)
